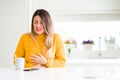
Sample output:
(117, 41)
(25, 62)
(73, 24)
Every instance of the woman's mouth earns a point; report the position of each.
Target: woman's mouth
(38, 29)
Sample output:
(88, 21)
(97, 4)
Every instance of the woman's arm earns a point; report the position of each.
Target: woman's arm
(20, 48)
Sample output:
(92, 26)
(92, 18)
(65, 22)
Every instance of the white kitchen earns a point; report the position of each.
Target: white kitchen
(90, 30)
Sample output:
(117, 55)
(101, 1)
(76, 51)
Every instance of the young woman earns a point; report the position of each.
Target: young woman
(41, 47)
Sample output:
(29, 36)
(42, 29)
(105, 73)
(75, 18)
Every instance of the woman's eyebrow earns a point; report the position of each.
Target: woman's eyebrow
(35, 20)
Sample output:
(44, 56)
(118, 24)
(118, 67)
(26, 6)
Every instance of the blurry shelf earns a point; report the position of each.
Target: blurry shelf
(83, 12)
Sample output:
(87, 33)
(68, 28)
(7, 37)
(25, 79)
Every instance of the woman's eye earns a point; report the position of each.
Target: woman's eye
(41, 22)
(35, 22)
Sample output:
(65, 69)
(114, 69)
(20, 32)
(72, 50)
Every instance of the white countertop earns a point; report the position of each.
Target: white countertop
(83, 72)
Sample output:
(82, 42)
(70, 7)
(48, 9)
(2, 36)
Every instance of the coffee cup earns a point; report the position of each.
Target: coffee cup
(19, 62)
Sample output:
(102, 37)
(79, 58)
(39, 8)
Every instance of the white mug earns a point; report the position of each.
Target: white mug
(19, 62)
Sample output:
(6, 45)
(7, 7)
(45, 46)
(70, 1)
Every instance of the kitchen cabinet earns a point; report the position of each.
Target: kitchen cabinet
(111, 54)
(93, 57)
(76, 62)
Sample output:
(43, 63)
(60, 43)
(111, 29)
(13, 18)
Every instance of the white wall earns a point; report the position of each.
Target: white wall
(13, 22)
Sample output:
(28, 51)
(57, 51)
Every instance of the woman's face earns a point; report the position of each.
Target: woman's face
(38, 25)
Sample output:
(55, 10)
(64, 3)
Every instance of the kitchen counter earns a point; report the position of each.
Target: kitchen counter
(74, 63)
(98, 61)
(107, 54)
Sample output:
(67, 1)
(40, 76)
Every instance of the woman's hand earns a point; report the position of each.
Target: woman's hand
(38, 59)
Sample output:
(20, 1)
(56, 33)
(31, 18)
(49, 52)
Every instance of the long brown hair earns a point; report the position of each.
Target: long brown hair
(47, 24)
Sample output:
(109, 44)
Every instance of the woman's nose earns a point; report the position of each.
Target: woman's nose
(38, 25)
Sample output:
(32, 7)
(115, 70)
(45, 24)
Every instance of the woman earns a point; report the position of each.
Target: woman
(41, 47)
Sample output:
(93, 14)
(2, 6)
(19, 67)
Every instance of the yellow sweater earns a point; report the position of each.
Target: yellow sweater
(27, 46)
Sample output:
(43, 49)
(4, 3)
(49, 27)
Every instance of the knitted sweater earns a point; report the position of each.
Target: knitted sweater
(27, 46)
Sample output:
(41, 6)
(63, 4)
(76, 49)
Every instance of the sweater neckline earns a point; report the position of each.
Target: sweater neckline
(40, 35)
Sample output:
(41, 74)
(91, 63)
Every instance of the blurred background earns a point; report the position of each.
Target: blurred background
(75, 20)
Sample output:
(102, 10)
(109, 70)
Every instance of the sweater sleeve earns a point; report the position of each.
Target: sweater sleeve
(60, 58)
(20, 48)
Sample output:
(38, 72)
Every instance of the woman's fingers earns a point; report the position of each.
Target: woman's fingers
(34, 60)
(33, 55)
(40, 54)
(39, 59)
